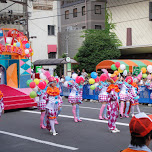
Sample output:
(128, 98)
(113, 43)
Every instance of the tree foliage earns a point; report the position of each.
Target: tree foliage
(98, 45)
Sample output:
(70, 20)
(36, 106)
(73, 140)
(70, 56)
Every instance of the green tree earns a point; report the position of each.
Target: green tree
(98, 45)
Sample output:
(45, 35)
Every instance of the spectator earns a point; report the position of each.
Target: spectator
(86, 81)
(79, 73)
(129, 74)
(83, 73)
(141, 133)
(72, 71)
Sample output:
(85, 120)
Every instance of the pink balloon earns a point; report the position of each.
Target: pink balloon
(117, 64)
(41, 85)
(97, 79)
(27, 55)
(30, 50)
(32, 85)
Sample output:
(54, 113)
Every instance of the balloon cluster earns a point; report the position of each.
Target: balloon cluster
(75, 78)
(94, 80)
(119, 68)
(35, 85)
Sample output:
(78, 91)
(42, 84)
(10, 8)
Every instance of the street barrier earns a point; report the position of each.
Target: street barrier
(93, 94)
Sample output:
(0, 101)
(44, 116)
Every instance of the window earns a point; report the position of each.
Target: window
(83, 10)
(98, 27)
(52, 55)
(75, 12)
(97, 9)
(67, 14)
(83, 27)
(51, 30)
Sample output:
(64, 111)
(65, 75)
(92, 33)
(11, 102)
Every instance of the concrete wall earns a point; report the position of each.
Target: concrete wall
(74, 42)
(132, 14)
(39, 28)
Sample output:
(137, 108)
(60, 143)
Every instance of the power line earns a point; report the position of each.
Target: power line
(7, 7)
(88, 10)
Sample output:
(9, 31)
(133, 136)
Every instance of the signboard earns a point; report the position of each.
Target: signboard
(38, 68)
(135, 70)
(68, 66)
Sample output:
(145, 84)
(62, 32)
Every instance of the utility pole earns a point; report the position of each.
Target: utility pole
(67, 45)
(25, 15)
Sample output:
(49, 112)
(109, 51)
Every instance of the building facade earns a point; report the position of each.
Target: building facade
(43, 29)
(133, 26)
(77, 15)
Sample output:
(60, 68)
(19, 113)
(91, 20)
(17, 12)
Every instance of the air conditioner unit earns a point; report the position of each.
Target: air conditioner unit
(69, 28)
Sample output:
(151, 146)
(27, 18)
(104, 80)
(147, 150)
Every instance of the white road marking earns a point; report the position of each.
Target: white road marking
(88, 119)
(93, 108)
(38, 141)
(82, 107)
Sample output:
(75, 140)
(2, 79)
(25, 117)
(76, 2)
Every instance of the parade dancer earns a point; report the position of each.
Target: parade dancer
(60, 101)
(103, 96)
(75, 97)
(134, 91)
(124, 96)
(1, 103)
(52, 105)
(113, 104)
(41, 106)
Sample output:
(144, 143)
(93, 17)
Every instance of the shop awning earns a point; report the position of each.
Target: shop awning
(53, 62)
(106, 64)
(52, 48)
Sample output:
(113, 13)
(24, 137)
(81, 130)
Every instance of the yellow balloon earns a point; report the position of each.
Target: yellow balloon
(91, 81)
(119, 70)
(32, 54)
(14, 44)
(36, 81)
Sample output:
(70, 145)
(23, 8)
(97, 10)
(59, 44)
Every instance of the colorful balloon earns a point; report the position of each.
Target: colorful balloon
(27, 51)
(122, 67)
(74, 75)
(27, 45)
(28, 82)
(149, 68)
(144, 75)
(92, 87)
(36, 81)
(117, 64)
(42, 85)
(18, 44)
(119, 70)
(67, 78)
(32, 85)
(33, 94)
(93, 75)
(113, 67)
(97, 79)
(143, 70)
(91, 81)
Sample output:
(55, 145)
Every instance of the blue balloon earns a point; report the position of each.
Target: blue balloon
(1, 33)
(93, 75)
(67, 78)
(18, 44)
(27, 45)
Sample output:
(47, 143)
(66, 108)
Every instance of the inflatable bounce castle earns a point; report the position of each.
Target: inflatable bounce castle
(15, 65)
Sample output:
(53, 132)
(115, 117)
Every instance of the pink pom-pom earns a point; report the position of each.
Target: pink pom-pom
(51, 79)
(57, 80)
(129, 78)
(47, 74)
(97, 79)
(103, 77)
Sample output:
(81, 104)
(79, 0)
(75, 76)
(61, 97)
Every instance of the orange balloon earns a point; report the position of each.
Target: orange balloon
(116, 73)
(143, 70)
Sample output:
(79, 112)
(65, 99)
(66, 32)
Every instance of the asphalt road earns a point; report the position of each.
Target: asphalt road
(20, 132)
